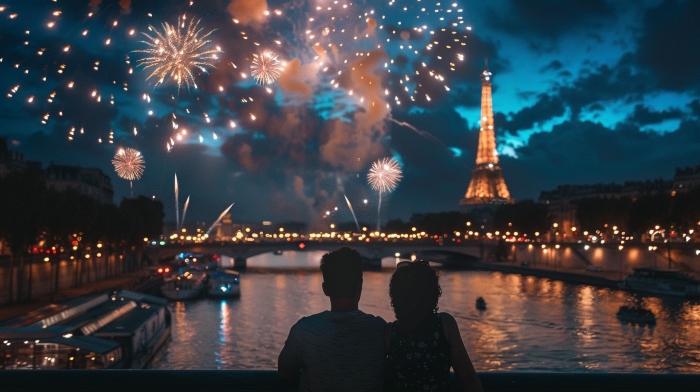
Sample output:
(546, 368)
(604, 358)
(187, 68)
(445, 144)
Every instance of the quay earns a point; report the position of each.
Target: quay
(266, 380)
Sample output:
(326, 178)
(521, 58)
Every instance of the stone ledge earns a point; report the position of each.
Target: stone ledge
(266, 380)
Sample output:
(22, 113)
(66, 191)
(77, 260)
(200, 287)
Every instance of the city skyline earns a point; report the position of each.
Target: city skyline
(584, 92)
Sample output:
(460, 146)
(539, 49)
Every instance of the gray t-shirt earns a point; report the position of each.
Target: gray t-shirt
(337, 351)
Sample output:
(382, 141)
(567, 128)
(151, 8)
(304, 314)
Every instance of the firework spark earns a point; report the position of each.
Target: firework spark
(384, 175)
(266, 68)
(129, 164)
(216, 222)
(176, 51)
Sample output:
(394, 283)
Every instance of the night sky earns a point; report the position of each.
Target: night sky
(585, 91)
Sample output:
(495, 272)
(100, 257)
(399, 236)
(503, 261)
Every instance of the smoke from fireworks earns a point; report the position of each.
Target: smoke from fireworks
(384, 175)
(129, 164)
(265, 68)
(176, 51)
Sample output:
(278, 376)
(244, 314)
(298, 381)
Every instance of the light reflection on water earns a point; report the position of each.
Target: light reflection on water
(531, 324)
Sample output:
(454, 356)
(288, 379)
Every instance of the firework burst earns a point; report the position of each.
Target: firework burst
(176, 51)
(266, 68)
(384, 175)
(129, 164)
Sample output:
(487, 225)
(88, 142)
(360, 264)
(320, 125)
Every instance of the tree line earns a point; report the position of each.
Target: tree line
(60, 224)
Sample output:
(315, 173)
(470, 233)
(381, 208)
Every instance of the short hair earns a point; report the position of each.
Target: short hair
(414, 284)
(342, 272)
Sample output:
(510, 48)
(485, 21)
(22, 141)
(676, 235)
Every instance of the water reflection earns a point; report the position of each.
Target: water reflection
(531, 324)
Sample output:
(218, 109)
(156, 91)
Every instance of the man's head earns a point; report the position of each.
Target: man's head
(342, 274)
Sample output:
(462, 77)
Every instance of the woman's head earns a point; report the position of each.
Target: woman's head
(414, 289)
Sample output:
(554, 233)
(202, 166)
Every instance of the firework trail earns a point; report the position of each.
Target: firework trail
(425, 134)
(265, 68)
(216, 222)
(176, 51)
(353, 213)
(129, 165)
(384, 176)
(177, 206)
(184, 211)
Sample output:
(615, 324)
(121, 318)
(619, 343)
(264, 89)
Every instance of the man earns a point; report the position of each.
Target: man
(341, 349)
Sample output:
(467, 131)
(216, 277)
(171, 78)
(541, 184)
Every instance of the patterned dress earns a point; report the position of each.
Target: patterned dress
(419, 361)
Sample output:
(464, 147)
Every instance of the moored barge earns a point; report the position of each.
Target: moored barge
(121, 330)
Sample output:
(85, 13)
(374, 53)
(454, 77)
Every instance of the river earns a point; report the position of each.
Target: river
(531, 324)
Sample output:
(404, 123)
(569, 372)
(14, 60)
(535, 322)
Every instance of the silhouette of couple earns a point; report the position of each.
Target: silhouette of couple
(345, 349)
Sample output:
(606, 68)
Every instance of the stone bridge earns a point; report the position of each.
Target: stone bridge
(608, 257)
(372, 252)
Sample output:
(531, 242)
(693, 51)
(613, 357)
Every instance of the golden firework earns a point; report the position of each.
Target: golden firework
(129, 164)
(176, 51)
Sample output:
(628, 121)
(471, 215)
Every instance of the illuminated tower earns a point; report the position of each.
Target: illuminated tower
(487, 186)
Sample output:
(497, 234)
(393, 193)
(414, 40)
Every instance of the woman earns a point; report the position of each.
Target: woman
(423, 344)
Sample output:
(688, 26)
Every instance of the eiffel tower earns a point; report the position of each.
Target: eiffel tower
(487, 186)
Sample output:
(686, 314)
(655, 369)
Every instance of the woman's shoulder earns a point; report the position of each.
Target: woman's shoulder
(449, 324)
(447, 318)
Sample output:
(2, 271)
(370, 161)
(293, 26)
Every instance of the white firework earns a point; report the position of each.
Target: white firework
(266, 68)
(384, 175)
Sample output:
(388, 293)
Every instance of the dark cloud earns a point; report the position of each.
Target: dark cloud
(669, 45)
(457, 74)
(623, 81)
(546, 107)
(642, 115)
(434, 178)
(549, 18)
(554, 65)
(695, 107)
(587, 153)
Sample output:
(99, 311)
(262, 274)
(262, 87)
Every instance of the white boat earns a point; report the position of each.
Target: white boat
(661, 281)
(224, 283)
(185, 285)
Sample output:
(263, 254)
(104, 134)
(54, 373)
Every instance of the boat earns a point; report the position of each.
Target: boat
(480, 303)
(224, 283)
(188, 284)
(636, 314)
(119, 330)
(661, 281)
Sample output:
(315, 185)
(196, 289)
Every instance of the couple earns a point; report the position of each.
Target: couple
(345, 349)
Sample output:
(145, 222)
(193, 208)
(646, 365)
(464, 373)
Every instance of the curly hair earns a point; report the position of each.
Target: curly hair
(414, 285)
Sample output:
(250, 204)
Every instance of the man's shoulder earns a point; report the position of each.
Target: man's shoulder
(350, 317)
(370, 318)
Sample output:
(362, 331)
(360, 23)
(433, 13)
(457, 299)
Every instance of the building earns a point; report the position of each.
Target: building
(561, 202)
(686, 179)
(88, 181)
(13, 160)
(487, 187)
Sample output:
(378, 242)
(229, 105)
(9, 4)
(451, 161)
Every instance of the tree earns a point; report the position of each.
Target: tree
(524, 217)
(22, 198)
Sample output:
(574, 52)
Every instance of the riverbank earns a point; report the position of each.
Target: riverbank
(128, 281)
